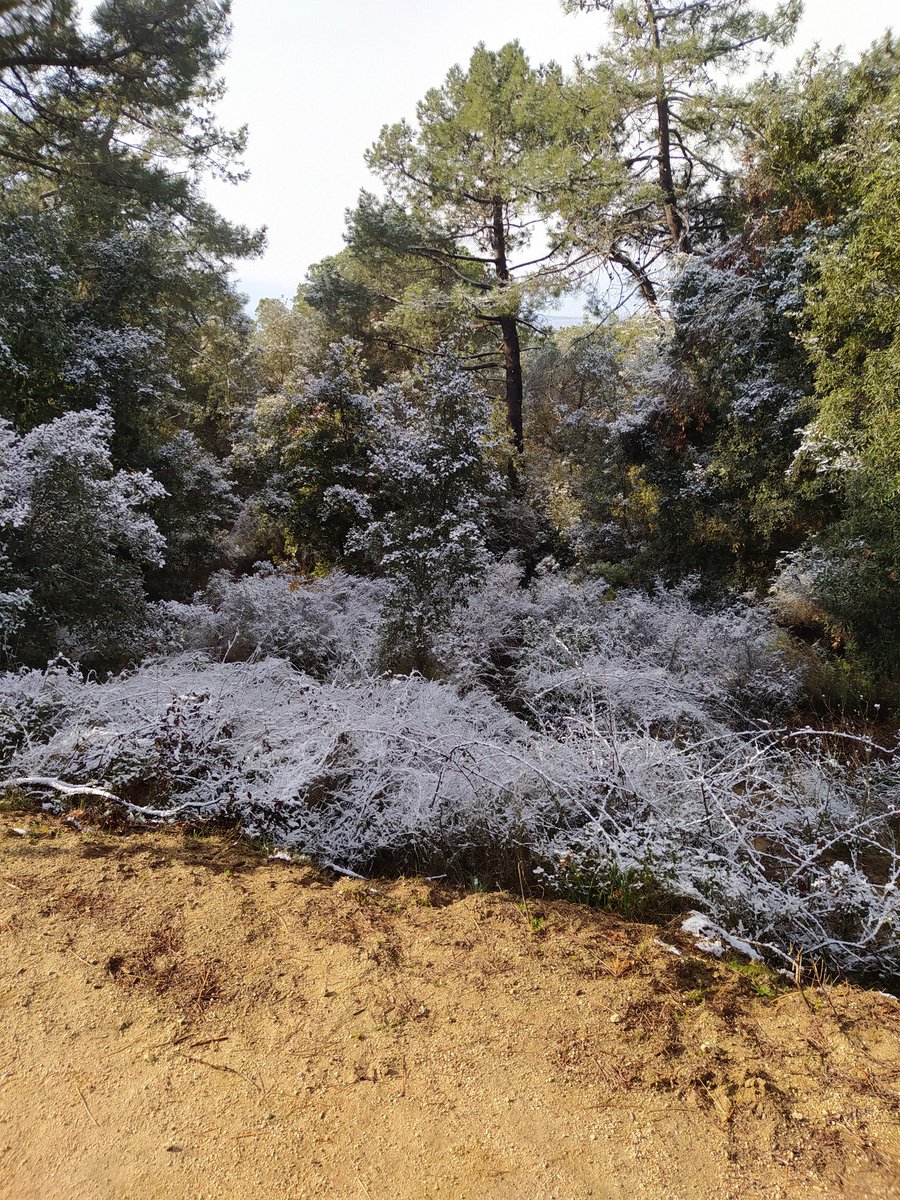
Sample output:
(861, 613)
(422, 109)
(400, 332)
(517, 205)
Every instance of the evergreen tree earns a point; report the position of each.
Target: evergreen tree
(653, 98)
(464, 192)
(74, 543)
(308, 452)
(93, 113)
(853, 337)
(425, 513)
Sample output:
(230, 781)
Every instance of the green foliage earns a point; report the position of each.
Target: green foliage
(288, 343)
(853, 336)
(309, 451)
(651, 128)
(110, 250)
(120, 332)
(668, 448)
(478, 136)
(386, 293)
(582, 404)
(635, 893)
(125, 319)
(429, 487)
(94, 112)
(465, 191)
(800, 125)
(194, 516)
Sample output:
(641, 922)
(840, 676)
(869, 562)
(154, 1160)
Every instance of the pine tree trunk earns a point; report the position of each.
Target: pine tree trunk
(512, 362)
(672, 213)
(511, 347)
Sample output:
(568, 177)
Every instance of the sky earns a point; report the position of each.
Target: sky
(315, 80)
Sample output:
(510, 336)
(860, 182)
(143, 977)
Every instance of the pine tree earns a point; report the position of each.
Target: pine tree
(653, 99)
(465, 189)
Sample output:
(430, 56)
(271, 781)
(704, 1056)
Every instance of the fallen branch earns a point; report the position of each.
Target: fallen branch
(57, 785)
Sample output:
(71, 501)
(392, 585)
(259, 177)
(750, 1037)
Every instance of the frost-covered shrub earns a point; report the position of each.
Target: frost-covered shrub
(652, 659)
(75, 538)
(35, 705)
(87, 320)
(194, 515)
(773, 834)
(657, 659)
(795, 591)
(320, 626)
(423, 515)
(483, 637)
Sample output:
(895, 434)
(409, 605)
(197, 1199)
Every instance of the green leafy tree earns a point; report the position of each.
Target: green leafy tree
(587, 393)
(308, 453)
(653, 100)
(121, 335)
(289, 342)
(799, 128)
(464, 188)
(384, 293)
(853, 337)
(106, 126)
(92, 113)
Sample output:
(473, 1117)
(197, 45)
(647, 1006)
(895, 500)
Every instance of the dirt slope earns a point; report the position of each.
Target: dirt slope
(182, 1019)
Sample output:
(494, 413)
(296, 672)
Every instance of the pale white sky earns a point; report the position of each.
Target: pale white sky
(316, 79)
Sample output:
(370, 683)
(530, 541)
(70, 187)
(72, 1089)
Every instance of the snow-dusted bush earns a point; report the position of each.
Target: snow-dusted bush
(308, 446)
(423, 513)
(321, 626)
(774, 835)
(660, 659)
(552, 649)
(795, 592)
(75, 538)
(591, 734)
(482, 640)
(194, 515)
(654, 659)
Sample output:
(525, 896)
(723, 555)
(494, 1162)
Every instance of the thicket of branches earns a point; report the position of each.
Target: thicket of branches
(615, 741)
(398, 575)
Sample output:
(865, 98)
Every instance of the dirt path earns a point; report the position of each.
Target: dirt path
(183, 1020)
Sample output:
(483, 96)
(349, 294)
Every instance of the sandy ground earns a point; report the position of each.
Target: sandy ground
(183, 1020)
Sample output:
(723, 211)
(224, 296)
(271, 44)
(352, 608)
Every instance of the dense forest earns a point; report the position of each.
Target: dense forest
(399, 575)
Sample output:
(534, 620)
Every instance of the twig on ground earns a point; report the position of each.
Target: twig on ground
(86, 1105)
(221, 1067)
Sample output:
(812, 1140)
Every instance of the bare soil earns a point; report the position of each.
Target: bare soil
(183, 1019)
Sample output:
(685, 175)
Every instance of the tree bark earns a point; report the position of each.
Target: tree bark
(512, 363)
(644, 282)
(511, 346)
(672, 213)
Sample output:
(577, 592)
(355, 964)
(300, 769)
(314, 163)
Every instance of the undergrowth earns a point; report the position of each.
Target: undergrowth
(637, 752)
